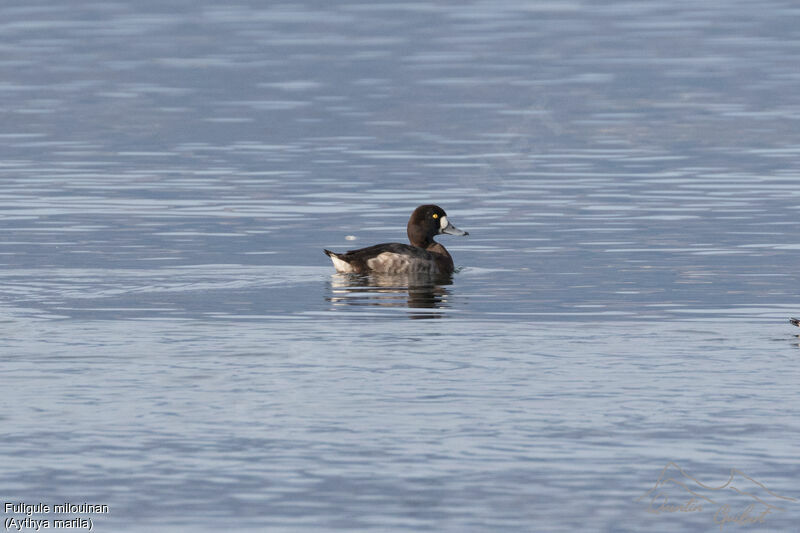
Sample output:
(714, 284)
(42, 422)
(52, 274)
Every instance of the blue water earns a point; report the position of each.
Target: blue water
(175, 344)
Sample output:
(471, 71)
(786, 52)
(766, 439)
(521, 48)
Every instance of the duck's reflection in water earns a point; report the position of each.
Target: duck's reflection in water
(413, 291)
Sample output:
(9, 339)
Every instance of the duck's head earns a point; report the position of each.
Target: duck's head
(427, 221)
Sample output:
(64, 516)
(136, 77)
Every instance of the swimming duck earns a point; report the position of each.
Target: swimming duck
(423, 255)
(795, 321)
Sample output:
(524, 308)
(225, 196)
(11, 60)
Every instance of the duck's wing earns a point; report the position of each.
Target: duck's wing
(795, 321)
(367, 259)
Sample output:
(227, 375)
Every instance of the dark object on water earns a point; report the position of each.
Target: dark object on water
(422, 256)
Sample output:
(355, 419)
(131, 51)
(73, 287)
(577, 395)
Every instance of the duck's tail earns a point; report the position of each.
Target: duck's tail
(341, 265)
(795, 321)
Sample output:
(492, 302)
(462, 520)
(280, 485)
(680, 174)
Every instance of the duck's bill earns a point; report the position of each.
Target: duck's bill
(450, 229)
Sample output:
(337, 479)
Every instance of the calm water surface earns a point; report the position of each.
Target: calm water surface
(175, 345)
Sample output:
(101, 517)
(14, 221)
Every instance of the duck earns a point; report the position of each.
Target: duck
(422, 256)
(795, 321)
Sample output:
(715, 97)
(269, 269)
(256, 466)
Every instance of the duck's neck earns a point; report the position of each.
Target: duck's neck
(422, 242)
(437, 248)
(427, 243)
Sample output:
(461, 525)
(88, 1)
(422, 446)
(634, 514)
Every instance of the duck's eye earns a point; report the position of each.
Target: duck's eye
(435, 215)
